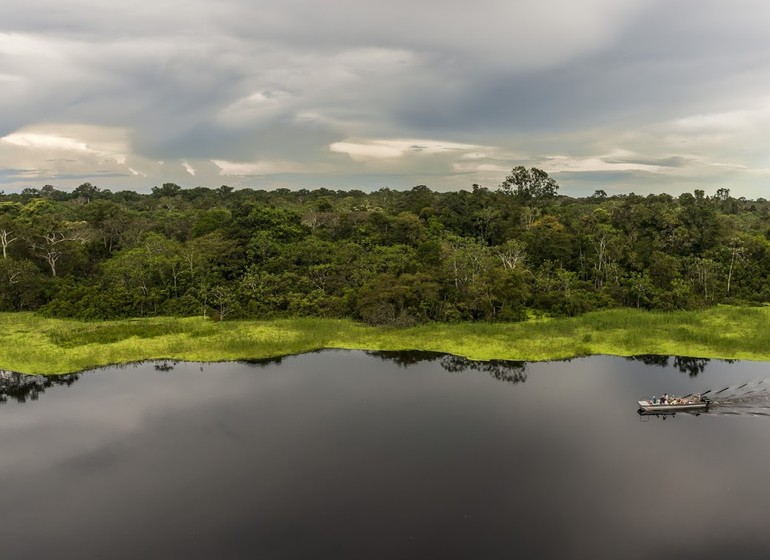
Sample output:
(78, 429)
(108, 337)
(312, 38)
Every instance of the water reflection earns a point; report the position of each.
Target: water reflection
(264, 362)
(165, 366)
(650, 359)
(690, 366)
(22, 388)
(347, 455)
(686, 364)
(503, 370)
(645, 415)
(405, 358)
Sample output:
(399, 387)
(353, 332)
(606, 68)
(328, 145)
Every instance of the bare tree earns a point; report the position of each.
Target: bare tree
(736, 253)
(51, 245)
(6, 238)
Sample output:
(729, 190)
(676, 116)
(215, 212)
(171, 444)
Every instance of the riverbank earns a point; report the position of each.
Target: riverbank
(38, 345)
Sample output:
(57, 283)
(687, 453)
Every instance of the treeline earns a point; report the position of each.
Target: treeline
(385, 257)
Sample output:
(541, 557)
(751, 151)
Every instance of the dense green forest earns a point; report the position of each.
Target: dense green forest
(385, 257)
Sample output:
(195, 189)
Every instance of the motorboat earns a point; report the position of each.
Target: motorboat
(675, 404)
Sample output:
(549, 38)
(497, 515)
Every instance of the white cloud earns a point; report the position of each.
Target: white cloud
(27, 45)
(245, 169)
(562, 163)
(374, 149)
(466, 167)
(259, 105)
(45, 146)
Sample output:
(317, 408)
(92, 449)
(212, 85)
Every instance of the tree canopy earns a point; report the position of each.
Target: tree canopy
(386, 257)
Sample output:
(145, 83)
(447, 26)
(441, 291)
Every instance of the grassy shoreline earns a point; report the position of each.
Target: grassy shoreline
(37, 345)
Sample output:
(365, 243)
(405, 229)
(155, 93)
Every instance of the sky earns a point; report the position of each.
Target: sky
(643, 96)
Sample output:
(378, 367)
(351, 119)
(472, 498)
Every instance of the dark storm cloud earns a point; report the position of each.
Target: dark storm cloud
(661, 68)
(211, 140)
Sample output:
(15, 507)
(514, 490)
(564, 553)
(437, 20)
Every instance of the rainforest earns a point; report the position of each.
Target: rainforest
(390, 258)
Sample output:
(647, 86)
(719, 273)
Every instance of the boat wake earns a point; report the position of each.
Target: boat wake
(748, 399)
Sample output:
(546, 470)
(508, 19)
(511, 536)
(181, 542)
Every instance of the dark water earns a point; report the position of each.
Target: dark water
(352, 455)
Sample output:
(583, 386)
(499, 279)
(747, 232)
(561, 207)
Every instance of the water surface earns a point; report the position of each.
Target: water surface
(352, 455)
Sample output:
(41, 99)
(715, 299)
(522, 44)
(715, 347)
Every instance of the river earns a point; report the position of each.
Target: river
(347, 454)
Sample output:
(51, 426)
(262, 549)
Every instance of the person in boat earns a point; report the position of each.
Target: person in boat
(664, 399)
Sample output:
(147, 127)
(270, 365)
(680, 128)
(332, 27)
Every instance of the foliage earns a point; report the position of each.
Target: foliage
(389, 257)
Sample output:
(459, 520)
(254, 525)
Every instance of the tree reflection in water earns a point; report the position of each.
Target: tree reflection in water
(165, 366)
(650, 359)
(404, 358)
(263, 362)
(685, 364)
(502, 370)
(22, 388)
(690, 366)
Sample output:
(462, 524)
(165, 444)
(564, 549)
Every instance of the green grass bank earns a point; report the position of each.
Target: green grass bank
(32, 344)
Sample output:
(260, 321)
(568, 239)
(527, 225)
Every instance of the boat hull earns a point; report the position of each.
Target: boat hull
(647, 406)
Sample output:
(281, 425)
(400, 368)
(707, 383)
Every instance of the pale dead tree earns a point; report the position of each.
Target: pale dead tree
(14, 275)
(736, 253)
(529, 216)
(607, 245)
(51, 245)
(703, 271)
(176, 267)
(6, 240)
(312, 220)
(315, 219)
(220, 297)
(511, 253)
(224, 301)
(331, 219)
(467, 258)
(640, 285)
(320, 275)
(51, 254)
(259, 286)
(600, 245)
(190, 256)
(255, 280)
(476, 264)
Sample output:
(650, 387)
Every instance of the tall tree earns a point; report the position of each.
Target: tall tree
(530, 186)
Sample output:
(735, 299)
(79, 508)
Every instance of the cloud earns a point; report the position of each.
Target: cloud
(48, 150)
(645, 162)
(367, 150)
(189, 168)
(316, 92)
(246, 169)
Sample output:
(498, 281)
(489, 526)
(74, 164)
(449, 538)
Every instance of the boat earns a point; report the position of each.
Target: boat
(675, 404)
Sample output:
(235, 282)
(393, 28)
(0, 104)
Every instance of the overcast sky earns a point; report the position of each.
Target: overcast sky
(621, 95)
